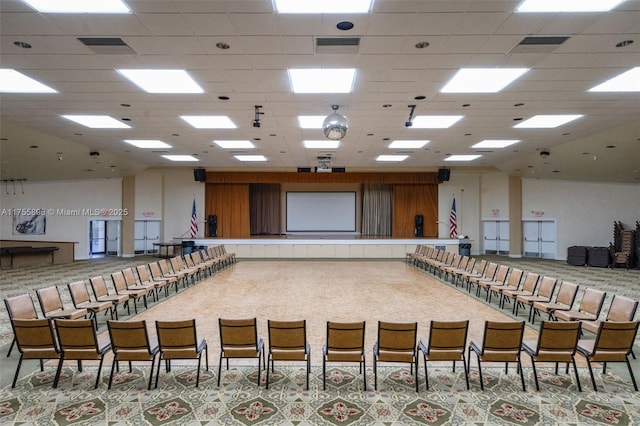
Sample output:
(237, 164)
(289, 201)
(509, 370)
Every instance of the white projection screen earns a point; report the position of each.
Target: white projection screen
(321, 211)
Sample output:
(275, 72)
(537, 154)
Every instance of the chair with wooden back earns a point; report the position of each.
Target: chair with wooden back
(78, 341)
(157, 275)
(473, 268)
(239, 340)
(179, 266)
(512, 283)
(35, 339)
(613, 343)
(52, 307)
(179, 340)
(487, 275)
(447, 342)
(545, 293)
(101, 294)
(565, 297)
(589, 307)
(556, 343)
(146, 278)
(396, 343)
(120, 286)
(132, 283)
(168, 273)
(130, 342)
(621, 309)
(81, 300)
(345, 343)
(499, 279)
(288, 342)
(20, 307)
(501, 342)
(528, 289)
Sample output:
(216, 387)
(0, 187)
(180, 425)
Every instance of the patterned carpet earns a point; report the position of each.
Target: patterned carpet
(238, 401)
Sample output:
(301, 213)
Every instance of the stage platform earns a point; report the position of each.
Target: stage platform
(327, 247)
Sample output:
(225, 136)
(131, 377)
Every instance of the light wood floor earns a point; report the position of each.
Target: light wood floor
(319, 291)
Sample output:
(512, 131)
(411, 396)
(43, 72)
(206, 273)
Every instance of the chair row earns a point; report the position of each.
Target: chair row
(130, 286)
(542, 294)
(557, 343)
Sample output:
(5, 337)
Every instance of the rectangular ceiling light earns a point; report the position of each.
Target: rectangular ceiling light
(408, 144)
(568, 5)
(97, 121)
(482, 80)
(209, 121)
(321, 144)
(495, 143)
(391, 158)
(162, 81)
(235, 144)
(180, 157)
(547, 121)
(322, 80)
(435, 121)
(628, 81)
(311, 121)
(251, 158)
(79, 6)
(323, 6)
(147, 143)
(12, 81)
(462, 157)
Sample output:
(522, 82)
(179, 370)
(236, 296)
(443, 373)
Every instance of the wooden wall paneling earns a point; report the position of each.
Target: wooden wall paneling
(411, 200)
(294, 177)
(230, 202)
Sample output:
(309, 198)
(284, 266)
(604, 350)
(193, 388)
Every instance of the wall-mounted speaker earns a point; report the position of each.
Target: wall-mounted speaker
(443, 175)
(419, 223)
(212, 225)
(200, 175)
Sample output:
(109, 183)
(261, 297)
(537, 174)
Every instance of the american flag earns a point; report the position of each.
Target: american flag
(453, 221)
(194, 220)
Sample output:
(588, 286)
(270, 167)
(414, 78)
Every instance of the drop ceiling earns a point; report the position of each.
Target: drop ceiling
(38, 144)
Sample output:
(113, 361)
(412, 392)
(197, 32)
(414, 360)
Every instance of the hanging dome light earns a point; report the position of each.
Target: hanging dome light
(335, 126)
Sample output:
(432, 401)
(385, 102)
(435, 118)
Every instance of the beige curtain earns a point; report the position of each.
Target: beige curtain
(264, 208)
(377, 208)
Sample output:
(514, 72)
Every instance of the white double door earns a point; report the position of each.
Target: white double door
(495, 236)
(539, 238)
(146, 232)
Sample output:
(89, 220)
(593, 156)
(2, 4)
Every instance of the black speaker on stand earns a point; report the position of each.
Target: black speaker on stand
(419, 222)
(212, 225)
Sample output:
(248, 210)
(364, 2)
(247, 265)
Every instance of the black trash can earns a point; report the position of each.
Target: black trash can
(464, 249)
(188, 247)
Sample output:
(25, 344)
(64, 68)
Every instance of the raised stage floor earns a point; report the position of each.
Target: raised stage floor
(327, 246)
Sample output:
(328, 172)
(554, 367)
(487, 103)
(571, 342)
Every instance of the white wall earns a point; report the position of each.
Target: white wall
(584, 211)
(179, 190)
(466, 188)
(148, 189)
(64, 203)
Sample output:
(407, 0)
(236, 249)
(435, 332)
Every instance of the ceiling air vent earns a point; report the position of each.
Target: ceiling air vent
(107, 45)
(337, 44)
(539, 44)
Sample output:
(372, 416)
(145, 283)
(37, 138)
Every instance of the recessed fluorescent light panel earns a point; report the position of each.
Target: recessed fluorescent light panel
(147, 143)
(209, 121)
(97, 121)
(482, 80)
(311, 121)
(568, 5)
(78, 6)
(12, 81)
(321, 144)
(407, 144)
(435, 121)
(322, 80)
(251, 158)
(547, 121)
(323, 6)
(162, 81)
(391, 158)
(495, 143)
(235, 144)
(462, 157)
(628, 81)
(180, 157)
